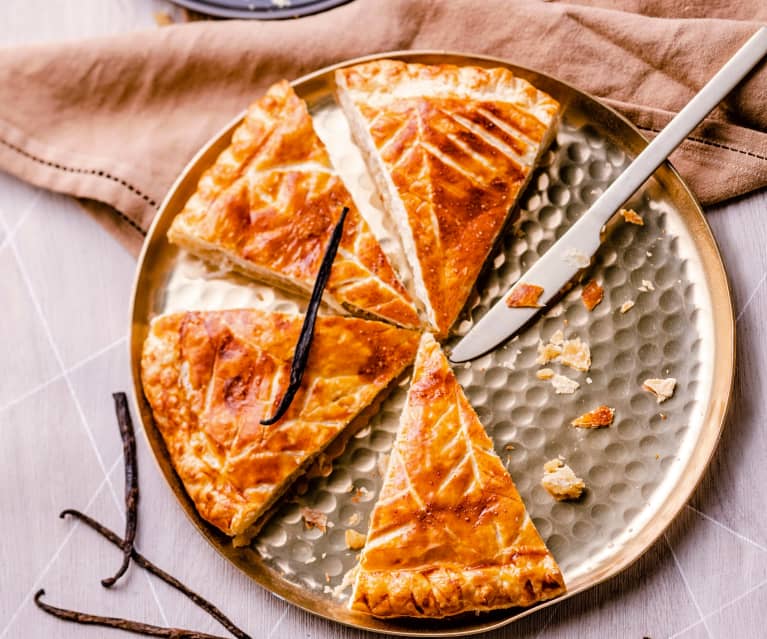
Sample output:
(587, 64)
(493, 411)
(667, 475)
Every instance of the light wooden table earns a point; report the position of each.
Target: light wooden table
(64, 293)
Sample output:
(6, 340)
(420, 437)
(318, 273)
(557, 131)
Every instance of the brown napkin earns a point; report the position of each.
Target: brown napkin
(116, 119)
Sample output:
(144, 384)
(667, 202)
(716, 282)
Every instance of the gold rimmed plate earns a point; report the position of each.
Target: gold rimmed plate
(639, 472)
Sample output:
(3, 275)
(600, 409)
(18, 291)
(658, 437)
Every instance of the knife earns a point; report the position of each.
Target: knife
(577, 246)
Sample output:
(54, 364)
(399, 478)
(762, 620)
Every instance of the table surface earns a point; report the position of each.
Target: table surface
(64, 294)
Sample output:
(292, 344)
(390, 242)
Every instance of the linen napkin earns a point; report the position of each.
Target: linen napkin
(115, 119)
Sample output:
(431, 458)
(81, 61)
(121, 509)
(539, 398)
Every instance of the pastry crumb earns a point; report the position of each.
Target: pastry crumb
(589, 380)
(576, 354)
(663, 416)
(598, 418)
(315, 519)
(646, 286)
(359, 494)
(354, 540)
(577, 258)
(570, 352)
(560, 481)
(544, 374)
(162, 18)
(632, 217)
(346, 581)
(524, 296)
(627, 306)
(564, 385)
(547, 352)
(592, 295)
(509, 446)
(661, 388)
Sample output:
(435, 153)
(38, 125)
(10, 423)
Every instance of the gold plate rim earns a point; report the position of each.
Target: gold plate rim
(692, 474)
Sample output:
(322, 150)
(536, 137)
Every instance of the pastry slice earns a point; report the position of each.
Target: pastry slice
(450, 149)
(267, 206)
(211, 377)
(449, 533)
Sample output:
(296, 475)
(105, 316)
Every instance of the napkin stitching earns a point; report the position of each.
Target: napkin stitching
(97, 172)
(710, 143)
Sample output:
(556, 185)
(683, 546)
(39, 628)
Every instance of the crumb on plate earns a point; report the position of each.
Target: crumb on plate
(564, 385)
(626, 306)
(598, 418)
(576, 354)
(592, 295)
(346, 581)
(560, 481)
(544, 374)
(354, 540)
(661, 388)
(314, 519)
(632, 217)
(547, 352)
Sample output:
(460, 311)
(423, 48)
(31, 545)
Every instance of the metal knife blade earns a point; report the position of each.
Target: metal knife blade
(570, 253)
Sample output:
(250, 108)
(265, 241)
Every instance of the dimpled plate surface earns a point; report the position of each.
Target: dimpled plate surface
(638, 472)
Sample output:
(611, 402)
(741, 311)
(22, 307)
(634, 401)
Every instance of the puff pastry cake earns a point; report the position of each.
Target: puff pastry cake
(210, 377)
(267, 206)
(449, 533)
(450, 149)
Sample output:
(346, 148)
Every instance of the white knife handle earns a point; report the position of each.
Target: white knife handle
(680, 127)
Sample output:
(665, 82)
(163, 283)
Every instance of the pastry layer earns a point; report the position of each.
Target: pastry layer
(449, 532)
(268, 205)
(450, 149)
(211, 377)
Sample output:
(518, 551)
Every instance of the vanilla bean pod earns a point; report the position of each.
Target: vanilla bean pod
(120, 624)
(131, 484)
(147, 565)
(301, 354)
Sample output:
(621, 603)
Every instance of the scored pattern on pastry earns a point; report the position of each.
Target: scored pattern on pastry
(450, 149)
(267, 207)
(449, 532)
(210, 377)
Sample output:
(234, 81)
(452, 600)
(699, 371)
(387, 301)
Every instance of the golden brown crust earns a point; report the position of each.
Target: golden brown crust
(525, 296)
(457, 144)
(599, 417)
(632, 217)
(449, 533)
(592, 295)
(210, 377)
(268, 205)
